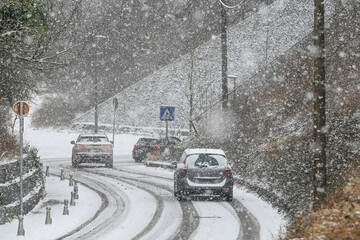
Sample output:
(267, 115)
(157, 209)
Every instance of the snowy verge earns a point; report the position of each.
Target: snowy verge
(34, 222)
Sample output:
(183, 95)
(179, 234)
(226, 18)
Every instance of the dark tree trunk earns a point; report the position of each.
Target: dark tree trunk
(319, 115)
(224, 85)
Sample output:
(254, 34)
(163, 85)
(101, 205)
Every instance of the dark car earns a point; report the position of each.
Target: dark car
(203, 173)
(169, 143)
(92, 148)
(145, 146)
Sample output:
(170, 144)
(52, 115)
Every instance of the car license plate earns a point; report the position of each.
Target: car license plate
(208, 192)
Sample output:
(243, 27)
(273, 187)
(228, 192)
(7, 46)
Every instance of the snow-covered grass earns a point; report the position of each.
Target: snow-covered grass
(54, 143)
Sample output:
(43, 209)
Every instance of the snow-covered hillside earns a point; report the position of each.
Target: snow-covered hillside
(281, 24)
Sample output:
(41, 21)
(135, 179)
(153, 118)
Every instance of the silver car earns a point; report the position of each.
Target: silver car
(92, 148)
(203, 173)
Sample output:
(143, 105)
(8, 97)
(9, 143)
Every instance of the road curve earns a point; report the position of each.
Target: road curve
(166, 217)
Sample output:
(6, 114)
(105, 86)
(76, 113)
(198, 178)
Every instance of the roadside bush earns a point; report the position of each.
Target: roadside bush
(8, 144)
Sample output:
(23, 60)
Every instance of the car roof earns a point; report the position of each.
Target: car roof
(93, 135)
(150, 138)
(189, 151)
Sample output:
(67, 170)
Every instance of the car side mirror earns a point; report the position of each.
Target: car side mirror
(112, 142)
(72, 142)
(174, 164)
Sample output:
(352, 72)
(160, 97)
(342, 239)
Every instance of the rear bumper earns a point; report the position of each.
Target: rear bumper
(81, 158)
(207, 191)
(220, 189)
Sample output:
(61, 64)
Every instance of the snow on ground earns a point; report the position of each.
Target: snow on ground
(34, 222)
(56, 144)
(271, 222)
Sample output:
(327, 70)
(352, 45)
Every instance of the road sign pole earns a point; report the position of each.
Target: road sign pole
(21, 108)
(21, 156)
(167, 127)
(114, 126)
(21, 231)
(116, 105)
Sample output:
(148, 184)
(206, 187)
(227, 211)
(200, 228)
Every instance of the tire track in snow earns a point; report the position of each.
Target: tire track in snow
(190, 220)
(159, 200)
(250, 225)
(108, 196)
(104, 204)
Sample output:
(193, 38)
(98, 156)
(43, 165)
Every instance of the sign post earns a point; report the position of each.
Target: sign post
(21, 109)
(167, 114)
(116, 105)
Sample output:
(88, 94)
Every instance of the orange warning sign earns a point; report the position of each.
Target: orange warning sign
(25, 108)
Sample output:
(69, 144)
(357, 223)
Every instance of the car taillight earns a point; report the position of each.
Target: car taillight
(184, 169)
(228, 168)
(81, 145)
(157, 147)
(135, 146)
(106, 145)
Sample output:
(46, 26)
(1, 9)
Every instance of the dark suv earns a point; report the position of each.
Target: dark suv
(203, 173)
(146, 146)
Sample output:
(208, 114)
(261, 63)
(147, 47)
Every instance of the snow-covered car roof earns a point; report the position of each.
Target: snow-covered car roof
(189, 151)
(93, 135)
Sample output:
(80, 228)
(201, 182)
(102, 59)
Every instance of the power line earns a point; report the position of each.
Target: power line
(231, 7)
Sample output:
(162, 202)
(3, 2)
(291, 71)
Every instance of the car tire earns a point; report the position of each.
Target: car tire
(140, 159)
(177, 194)
(229, 197)
(110, 163)
(73, 163)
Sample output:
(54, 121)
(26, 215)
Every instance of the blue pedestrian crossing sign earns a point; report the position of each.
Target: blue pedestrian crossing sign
(167, 113)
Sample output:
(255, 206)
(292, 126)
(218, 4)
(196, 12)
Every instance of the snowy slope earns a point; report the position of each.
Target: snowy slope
(282, 23)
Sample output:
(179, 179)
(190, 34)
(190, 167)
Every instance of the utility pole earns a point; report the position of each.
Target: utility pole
(96, 84)
(96, 94)
(224, 67)
(319, 115)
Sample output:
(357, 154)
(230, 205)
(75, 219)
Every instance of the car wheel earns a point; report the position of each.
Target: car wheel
(110, 163)
(229, 197)
(140, 159)
(73, 163)
(177, 193)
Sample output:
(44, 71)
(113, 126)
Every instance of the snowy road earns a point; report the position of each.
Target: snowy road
(138, 203)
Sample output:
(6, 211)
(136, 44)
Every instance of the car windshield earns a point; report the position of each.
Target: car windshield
(206, 160)
(147, 141)
(93, 139)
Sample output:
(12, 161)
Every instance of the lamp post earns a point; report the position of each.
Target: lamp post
(96, 86)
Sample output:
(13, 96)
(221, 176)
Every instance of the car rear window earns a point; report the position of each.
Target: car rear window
(206, 160)
(93, 139)
(147, 141)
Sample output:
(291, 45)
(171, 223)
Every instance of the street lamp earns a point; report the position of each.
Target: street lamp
(96, 84)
